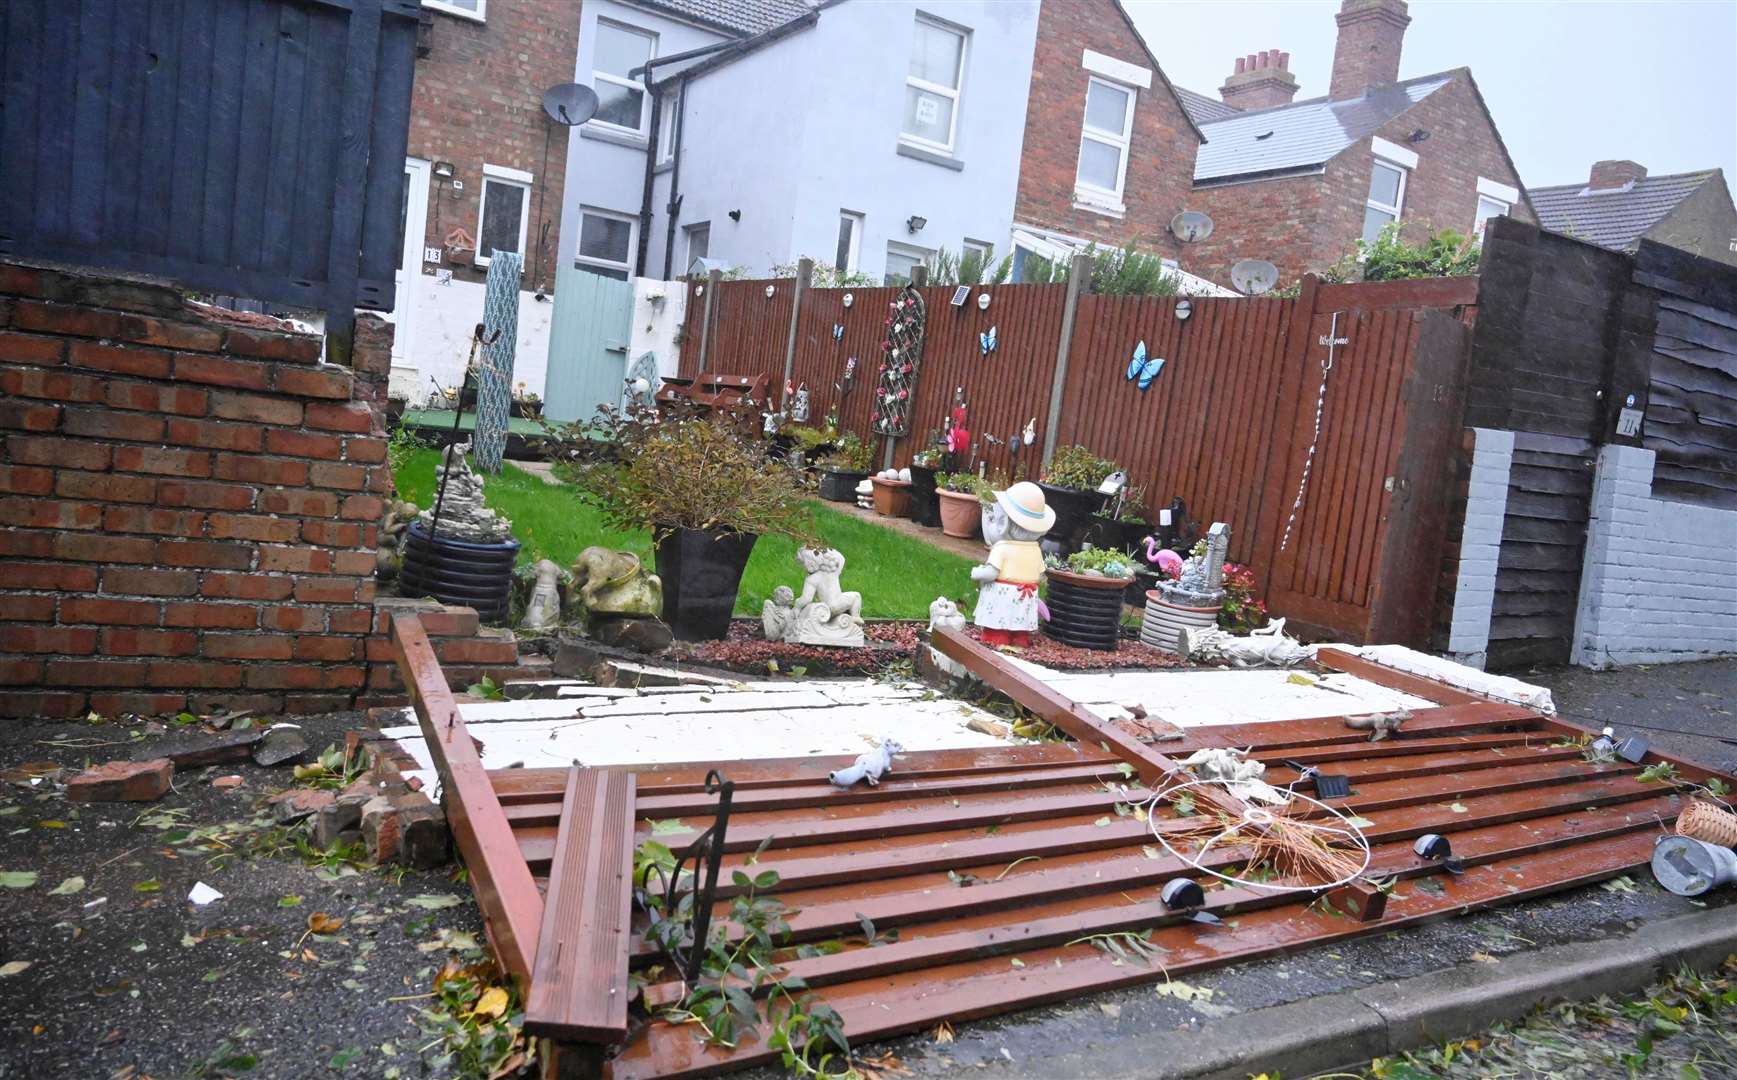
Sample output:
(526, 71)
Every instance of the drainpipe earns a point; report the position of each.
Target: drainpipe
(650, 179)
(674, 205)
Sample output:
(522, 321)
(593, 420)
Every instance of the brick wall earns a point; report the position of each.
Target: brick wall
(478, 98)
(1277, 220)
(1161, 163)
(1659, 583)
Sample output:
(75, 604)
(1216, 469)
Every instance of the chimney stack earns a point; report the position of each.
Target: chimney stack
(1371, 33)
(1614, 174)
(1260, 81)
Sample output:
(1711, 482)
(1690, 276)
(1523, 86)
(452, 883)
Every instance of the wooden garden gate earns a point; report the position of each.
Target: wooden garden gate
(588, 341)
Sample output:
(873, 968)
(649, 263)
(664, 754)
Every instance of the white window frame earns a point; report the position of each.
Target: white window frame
(1497, 193)
(1122, 141)
(853, 252)
(445, 7)
(666, 128)
(645, 96)
(957, 93)
(910, 251)
(500, 174)
(581, 261)
(688, 232)
(1397, 209)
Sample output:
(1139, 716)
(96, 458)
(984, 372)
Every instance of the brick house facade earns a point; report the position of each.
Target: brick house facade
(1304, 209)
(1080, 41)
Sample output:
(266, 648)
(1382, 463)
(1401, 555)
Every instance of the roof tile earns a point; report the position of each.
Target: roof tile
(1615, 218)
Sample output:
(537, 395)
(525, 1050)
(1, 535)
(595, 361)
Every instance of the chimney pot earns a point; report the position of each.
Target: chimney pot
(1284, 61)
(1241, 65)
(1261, 80)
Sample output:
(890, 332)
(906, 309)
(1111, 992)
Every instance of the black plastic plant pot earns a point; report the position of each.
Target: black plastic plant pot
(459, 572)
(837, 485)
(1073, 512)
(925, 504)
(1085, 610)
(1121, 535)
(701, 572)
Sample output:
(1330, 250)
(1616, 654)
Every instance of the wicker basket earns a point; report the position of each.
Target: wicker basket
(1708, 821)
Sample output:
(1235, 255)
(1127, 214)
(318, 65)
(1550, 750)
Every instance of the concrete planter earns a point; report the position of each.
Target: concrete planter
(1164, 620)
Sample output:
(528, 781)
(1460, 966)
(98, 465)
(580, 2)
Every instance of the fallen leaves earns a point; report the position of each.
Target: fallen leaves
(14, 967)
(68, 887)
(17, 879)
(492, 1003)
(429, 902)
(321, 923)
(1181, 991)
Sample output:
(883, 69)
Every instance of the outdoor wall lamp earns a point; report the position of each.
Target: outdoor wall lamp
(1418, 136)
(1183, 310)
(982, 301)
(443, 169)
(916, 223)
(849, 299)
(769, 291)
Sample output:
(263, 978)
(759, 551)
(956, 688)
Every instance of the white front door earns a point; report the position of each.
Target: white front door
(412, 235)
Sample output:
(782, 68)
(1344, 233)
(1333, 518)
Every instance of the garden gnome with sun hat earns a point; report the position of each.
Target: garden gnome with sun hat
(1007, 601)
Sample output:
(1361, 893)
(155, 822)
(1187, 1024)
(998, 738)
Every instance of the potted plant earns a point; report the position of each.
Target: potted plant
(845, 466)
(1070, 487)
(925, 504)
(957, 493)
(525, 404)
(805, 443)
(1085, 597)
(892, 494)
(707, 492)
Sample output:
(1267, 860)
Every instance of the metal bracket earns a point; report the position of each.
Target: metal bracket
(680, 926)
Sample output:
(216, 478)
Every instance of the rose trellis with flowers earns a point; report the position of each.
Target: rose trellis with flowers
(901, 356)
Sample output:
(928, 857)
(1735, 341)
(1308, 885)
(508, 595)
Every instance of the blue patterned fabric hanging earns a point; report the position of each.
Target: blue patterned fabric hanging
(495, 379)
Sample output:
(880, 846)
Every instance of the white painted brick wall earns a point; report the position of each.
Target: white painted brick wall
(1660, 580)
(1480, 545)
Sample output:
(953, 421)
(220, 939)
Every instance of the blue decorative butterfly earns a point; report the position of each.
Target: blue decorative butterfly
(838, 331)
(1138, 362)
(1150, 371)
(986, 341)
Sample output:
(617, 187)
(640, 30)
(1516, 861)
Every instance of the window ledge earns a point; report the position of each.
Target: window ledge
(659, 170)
(619, 138)
(1093, 205)
(933, 157)
(456, 12)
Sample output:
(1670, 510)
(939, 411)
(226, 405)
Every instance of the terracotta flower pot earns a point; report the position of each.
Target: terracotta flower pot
(1085, 610)
(701, 571)
(892, 497)
(959, 514)
(1164, 620)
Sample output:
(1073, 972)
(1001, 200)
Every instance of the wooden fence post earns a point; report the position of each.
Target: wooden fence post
(712, 279)
(1079, 279)
(804, 276)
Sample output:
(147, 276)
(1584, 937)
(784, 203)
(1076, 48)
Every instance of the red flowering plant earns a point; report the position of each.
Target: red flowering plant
(1241, 611)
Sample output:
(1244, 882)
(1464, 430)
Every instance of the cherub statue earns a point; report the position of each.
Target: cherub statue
(824, 614)
(1007, 603)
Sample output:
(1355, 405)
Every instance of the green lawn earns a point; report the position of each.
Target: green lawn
(898, 576)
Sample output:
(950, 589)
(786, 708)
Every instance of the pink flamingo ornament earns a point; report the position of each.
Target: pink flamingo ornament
(1169, 563)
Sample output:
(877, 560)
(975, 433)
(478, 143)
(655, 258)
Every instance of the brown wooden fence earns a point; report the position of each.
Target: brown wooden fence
(1227, 425)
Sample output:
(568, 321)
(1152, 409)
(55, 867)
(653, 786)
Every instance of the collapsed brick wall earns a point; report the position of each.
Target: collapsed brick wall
(188, 506)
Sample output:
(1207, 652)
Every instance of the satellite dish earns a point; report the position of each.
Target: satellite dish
(570, 103)
(1191, 225)
(1254, 276)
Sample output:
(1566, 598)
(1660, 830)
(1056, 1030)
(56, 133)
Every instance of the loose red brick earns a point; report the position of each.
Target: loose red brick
(107, 612)
(163, 461)
(208, 616)
(210, 554)
(215, 436)
(133, 581)
(25, 480)
(222, 371)
(306, 444)
(152, 397)
(254, 409)
(57, 452)
(66, 640)
(52, 385)
(476, 651)
(301, 348)
(42, 704)
(145, 363)
(26, 543)
(206, 496)
(106, 487)
(248, 646)
(354, 418)
(94, 547)
(31, 608)
(16, 348)
(349, 620)
(325, 590)
(15, 671)
(295, 560)
(261, 470)
(313, 647)
(104, 424)
(128, 673)
(109, 703)
(363, 508)
(192, 674)
(274, 530)
(368, 451)
(300, 503)
(57, 576)
(37, 513)
(123, 781)
(311, 382)
(331, 474)
(24, 416)
(146, 519)
(293, 618)
(127, 642)
(260, 586)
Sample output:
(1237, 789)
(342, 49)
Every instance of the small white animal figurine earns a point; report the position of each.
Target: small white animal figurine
(543, 610)
(870, 766)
